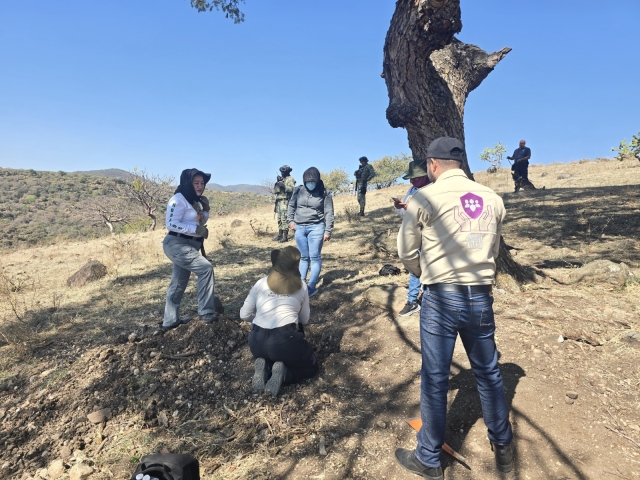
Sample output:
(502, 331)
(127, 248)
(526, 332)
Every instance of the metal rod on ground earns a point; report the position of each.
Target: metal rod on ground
(416, 424)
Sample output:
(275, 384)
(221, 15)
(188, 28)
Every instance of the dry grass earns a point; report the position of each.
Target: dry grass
(574, 220)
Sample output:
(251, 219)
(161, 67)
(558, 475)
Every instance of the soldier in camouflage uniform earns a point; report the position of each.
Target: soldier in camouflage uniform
(283, 190)
(363, 175)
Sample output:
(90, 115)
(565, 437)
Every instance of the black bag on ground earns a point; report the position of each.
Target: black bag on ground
(168, 466)
(389, 270)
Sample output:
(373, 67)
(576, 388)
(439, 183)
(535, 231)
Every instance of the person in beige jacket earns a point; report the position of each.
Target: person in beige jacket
(450, 238)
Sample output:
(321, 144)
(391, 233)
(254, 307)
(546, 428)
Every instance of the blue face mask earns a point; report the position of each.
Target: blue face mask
(310, 186)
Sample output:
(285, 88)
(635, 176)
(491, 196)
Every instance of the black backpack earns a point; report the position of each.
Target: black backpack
(389, 270)
(168, 466)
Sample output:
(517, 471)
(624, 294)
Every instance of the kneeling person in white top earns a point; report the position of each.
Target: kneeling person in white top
(278, 306)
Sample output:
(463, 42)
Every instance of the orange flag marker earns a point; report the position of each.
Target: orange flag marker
(416, 424)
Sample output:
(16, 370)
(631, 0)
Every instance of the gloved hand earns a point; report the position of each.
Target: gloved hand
(202, 231)
(301, 329)
(204, 201)
(509, 158)
(280, 185)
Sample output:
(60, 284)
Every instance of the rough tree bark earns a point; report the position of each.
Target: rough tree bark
(429, 75)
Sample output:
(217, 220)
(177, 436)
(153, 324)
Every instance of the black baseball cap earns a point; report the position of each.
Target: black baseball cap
(446, 148)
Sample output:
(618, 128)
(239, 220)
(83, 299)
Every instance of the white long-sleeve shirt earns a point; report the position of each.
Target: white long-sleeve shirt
(270, 310)
(182, 217)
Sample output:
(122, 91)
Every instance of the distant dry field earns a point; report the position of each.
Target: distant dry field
(66, 352)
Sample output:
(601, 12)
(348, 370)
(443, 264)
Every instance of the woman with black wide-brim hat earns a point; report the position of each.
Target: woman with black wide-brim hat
(278, 306)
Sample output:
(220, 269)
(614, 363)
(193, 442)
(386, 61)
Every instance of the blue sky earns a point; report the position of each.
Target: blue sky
(153, 84)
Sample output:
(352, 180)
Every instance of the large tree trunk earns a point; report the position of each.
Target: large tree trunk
(429, 75)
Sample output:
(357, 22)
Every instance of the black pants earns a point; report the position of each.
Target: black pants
(286, 345)
(522, 169)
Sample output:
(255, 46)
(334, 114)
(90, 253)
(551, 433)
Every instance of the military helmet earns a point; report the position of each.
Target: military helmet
(285, 169)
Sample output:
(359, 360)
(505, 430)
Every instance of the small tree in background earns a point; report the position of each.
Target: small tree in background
(149, 191)
(110, 211)
(627, 150)
(267, 186)
(493, 155)
(336, 181)
(389, 169)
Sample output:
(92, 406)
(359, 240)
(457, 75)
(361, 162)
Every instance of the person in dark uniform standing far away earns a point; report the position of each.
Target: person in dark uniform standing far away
(450, 238)
(283, 189)
(520, 167)
(363, 175)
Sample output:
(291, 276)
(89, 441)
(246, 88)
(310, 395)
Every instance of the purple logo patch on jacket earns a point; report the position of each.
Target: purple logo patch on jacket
(472, 205)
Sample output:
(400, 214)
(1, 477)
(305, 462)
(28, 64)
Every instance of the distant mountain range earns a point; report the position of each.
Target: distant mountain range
(123, 174)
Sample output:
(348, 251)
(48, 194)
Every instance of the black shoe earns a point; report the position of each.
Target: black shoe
(210, 318)
(407, 459)
(284, 238)
(170, 327)
(182, 321)
(409, 308)
(362, 214)
(261, 374)
(278, 372)
(504, 456)
(278, 238)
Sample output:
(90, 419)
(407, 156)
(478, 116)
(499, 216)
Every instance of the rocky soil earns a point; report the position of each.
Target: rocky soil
(96, 385)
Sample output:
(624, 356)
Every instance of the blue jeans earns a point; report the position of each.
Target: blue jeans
(443, 316)
(309, 242)
(414, 288)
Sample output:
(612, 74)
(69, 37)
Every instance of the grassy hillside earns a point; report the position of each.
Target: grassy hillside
(569, 353)
(40, 207)
(123, 175)
(241, 188)
(107, 172)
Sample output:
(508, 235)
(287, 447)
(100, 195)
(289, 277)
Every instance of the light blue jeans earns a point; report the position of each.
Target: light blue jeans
(414, 282)
(309, 242)
(414, 288)
(443, 317)
(186, 258)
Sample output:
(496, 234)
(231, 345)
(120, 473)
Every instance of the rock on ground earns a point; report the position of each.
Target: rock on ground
(90, 272)
(602, 271)
(56, 469)
(100, 416)
(80, 472)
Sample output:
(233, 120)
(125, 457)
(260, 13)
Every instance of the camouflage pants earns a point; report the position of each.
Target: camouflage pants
(362, 197)
(281, 214)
